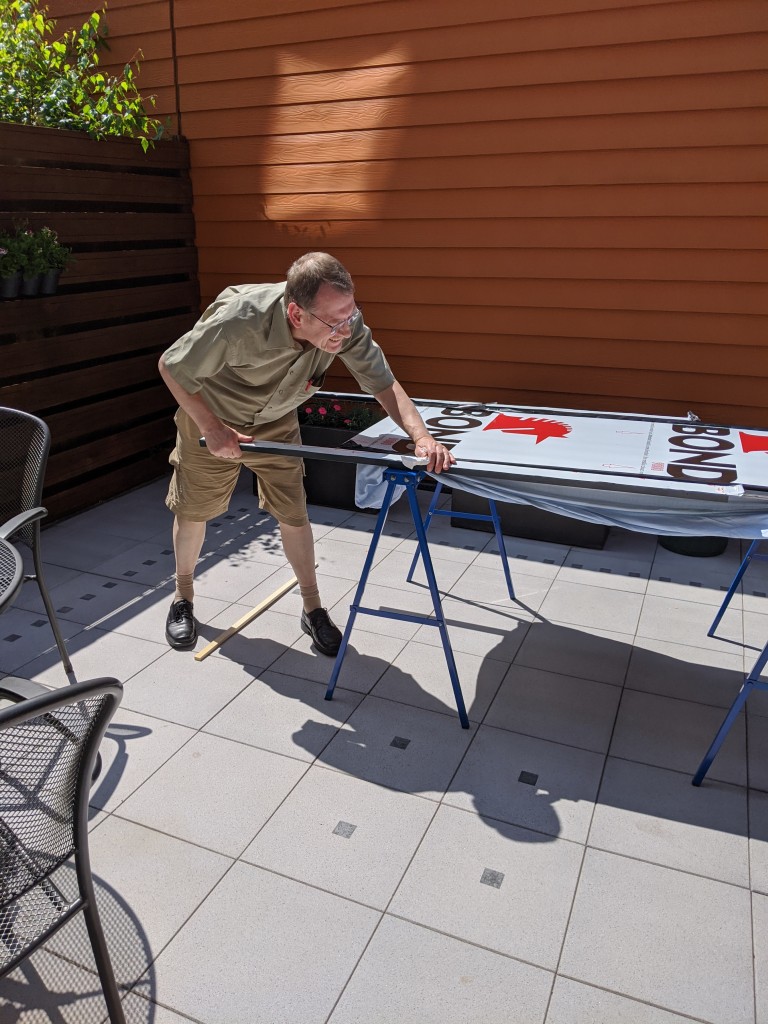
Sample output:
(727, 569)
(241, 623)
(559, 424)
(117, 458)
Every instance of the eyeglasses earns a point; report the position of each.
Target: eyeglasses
(335, 328)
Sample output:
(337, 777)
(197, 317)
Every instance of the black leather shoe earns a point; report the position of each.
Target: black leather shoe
(325, 636)
(180, 628)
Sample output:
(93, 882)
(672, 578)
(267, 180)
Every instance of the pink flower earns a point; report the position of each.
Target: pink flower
(347, 423)
(337, 408)
(308, 409)
(322, 410)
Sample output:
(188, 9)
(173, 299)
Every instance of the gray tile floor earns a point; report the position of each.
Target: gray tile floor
(264, 855)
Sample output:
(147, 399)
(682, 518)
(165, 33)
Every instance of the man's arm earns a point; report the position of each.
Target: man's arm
(401, 409)
(221, 440)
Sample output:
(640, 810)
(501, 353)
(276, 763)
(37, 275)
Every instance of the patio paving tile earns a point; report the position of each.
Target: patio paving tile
(178, 689)
(575, 1003)
(368, 657)
(760, 930)
(263, 949)
(687, 622)
(757, 749)
(95, 652)
(565, 709)
(453, 983)
(285, 715)
(607, 570)
(493, 631)
(157, 880)
(487, 585)
(686, 672)
(676, 734)
(261, 642)
(575, 651)
(46, 988)
(133, 749)
(344, 835)
(758, 840)
(674, 939)
(543, 786)
(657, 815)
(400, 747)
(214, 792)
(479, 679)
(24, 635)
(592, 606)
(531, 557)
(522, 907)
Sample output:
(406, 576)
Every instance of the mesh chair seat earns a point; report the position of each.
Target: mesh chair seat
(48, 746)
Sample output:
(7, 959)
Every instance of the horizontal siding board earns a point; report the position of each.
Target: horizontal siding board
(656, 199)
(609, 167)
(106, 450)
(636, 325)
(73, 425)
(223, 266)
(657, 130)
(522, 232)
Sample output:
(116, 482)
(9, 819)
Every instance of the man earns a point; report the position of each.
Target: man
(254, 356)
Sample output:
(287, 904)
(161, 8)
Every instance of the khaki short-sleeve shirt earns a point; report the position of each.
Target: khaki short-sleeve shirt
(242, 358)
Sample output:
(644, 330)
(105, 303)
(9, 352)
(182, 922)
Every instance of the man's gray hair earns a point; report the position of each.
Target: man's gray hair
(312, 270)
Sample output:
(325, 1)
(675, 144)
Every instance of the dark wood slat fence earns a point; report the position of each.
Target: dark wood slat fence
(85, 359)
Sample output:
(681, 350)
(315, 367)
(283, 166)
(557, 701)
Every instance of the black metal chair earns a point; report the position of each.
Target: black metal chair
(11, 574)
(48, 747)
(24, 445)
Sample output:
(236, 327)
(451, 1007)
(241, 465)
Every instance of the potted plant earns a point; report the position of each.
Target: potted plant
(10, 266)
(33, 264)
(327, 422)
(57, 257)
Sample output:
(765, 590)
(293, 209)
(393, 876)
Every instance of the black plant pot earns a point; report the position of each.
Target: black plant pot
(30, 286)
(49, 282)
(10, 287)
(698, 547)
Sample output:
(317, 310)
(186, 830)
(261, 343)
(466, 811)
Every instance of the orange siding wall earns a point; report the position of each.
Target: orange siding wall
(544, 201)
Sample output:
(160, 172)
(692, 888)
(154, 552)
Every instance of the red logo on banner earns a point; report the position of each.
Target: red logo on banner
(542, 429)
(753, 442)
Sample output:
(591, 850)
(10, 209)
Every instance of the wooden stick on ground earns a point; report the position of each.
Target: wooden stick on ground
(249, 617)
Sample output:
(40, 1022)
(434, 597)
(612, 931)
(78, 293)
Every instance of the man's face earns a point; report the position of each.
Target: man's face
(329, 308)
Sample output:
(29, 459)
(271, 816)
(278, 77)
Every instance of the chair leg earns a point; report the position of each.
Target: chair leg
(101, 956)
(734, 584)
(64, 654)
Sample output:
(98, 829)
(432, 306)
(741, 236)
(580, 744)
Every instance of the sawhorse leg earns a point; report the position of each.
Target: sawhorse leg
(493, 517)
(751, 553)
(752, 682)
(410, 480)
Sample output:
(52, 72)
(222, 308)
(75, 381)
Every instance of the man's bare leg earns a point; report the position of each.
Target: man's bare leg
(188, 537)
(299, 547)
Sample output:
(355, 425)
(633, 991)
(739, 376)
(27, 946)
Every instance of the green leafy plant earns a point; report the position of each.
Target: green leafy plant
(56, 255)
(57, 83)
(327, 411)
(10, 255)
(31, 252)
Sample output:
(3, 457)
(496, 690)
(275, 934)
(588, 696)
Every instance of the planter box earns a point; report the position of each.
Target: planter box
(528, 522)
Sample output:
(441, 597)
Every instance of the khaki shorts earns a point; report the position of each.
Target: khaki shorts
(202, 485)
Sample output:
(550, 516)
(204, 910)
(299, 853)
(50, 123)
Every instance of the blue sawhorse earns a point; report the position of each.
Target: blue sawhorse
(493, 517)
(410, 479)
(753, 680)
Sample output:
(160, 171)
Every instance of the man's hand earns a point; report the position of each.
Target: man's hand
(439, 456)
(224, 442)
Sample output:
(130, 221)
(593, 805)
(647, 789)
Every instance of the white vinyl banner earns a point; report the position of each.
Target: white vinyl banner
(684, 455)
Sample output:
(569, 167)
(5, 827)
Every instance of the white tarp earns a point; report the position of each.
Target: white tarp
(655, 475)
